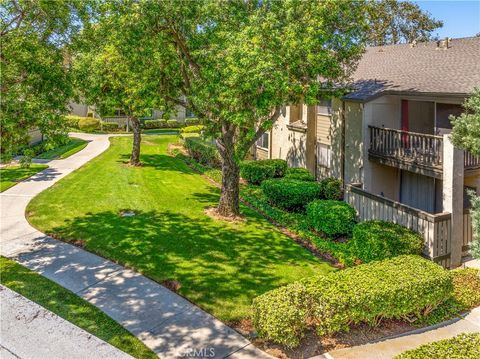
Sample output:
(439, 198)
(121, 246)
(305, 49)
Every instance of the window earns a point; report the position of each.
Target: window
(324, 107)
(323, 155)
(263, 141)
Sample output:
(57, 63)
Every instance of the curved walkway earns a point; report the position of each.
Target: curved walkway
(167, 323)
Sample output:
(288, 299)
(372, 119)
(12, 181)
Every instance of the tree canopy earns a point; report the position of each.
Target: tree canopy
(237, 64)
(35, 79)
(394, 22)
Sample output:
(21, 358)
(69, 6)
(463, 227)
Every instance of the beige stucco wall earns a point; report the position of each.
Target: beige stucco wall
(353, 142)
(335, 137)
(287, 144)
(261, 154)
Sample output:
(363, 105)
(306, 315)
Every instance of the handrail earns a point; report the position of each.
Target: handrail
(407, 132)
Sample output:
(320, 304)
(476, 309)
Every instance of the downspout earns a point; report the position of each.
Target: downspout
(270, 144)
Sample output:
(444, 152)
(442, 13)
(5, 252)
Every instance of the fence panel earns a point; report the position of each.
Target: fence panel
(436, 229)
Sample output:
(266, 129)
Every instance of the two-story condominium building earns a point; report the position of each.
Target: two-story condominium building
(388, 141)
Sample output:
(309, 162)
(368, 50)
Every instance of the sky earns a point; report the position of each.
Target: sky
(460, 18)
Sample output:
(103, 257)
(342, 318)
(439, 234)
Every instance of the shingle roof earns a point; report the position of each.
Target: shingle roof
(421, 69)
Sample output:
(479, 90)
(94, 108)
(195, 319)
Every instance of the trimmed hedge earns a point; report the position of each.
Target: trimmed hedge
(290, 194)
(331, 189)
(375, 240)
(301, 174)
(202, 152)
(255, 172)
(402, 287)
(466, 284)
(88, 124)
(109, 126)
(463, 346)
(149, 124)
(333, 218)
(280, 166)
(173, 123)
(193, 129)
(72, 121)
(192, 121)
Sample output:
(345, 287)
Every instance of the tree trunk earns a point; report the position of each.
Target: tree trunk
(135, 157)
(229, 198)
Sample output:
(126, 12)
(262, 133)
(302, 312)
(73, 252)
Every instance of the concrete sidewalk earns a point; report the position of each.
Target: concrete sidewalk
(168, 324)
(28, 330)
(388, 348)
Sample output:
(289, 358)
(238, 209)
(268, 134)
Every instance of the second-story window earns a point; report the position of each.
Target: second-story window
(263, 142)
(324, 107)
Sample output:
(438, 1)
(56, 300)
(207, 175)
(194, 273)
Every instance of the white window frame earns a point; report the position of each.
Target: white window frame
(324, 107)
(260, 142)
(324, 155)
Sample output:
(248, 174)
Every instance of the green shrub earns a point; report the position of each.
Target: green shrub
(301, 174)
(88, 124)
(331, 189)
(172, 123)
(109, 126)
(333, 218)
(255, 172)
(192, 121)
(193, 129)
(374, 240)
(26, 159)
(406, 286)
(466, 287)
(202, 152)
(463, 346)
(279, 165)
(72, 121)
(149, 124)
(290, 194)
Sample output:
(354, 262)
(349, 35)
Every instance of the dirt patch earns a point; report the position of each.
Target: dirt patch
(244, 327)
(78, 243)
(174, 146)
(213, 213)
(171, 284)
(313, 345)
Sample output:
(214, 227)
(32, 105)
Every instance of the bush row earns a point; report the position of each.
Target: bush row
(255, 172)
(332, 218)
(151, 124)
(404, 286)
(290, 194)
(463, 346)
(202, 152)
(192, 129)
(301, 174)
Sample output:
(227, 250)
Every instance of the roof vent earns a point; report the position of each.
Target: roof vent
(443, 44)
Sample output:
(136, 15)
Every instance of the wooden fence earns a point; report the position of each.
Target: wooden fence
(436, 229)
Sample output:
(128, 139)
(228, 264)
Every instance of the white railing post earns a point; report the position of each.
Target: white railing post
(453, 173)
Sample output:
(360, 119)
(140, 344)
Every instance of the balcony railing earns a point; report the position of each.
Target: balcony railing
(471, 161)
(409, 147)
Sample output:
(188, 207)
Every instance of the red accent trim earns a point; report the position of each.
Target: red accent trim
(404, 123)
(405, 115)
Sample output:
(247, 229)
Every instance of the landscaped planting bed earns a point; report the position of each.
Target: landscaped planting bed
(463, 346)
(401, 287)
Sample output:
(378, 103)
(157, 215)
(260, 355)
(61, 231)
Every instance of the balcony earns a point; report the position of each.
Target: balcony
(416, 152)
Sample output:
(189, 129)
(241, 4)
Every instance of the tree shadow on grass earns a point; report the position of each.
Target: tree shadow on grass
(221, 267)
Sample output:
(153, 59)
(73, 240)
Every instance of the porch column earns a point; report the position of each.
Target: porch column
(453, 196)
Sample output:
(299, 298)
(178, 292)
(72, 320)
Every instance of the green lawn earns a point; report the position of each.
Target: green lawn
(220, 266)
(72, 147)
(11, 175)
(70, 307)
